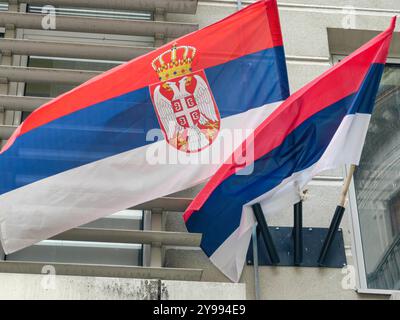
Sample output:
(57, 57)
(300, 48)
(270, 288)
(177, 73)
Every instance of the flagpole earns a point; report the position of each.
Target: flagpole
(337, 217)
(255, 263)
(346, 185)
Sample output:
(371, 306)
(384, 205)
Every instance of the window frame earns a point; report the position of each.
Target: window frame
(354, 222)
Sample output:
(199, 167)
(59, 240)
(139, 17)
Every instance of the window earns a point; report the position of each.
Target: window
(377, 188)
(96, 13)
(55, 89)
(46, 89)
(3, 6)
(107, 253)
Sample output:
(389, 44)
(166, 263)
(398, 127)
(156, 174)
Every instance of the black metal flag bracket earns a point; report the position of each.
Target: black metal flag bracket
(337, 218)
(332, 232)
(298, 245)
(265, 233)
(298, 233)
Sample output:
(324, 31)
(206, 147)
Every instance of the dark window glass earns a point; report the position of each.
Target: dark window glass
(74, 64)
(96, 13)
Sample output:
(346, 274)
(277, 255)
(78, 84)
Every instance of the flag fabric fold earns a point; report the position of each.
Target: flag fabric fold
(105, 145)
(320, 127)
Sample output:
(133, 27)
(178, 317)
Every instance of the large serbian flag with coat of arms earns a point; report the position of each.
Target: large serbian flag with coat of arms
(153, 126)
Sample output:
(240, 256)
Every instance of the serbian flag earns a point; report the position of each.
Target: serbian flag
(320, 127)
(145, 129)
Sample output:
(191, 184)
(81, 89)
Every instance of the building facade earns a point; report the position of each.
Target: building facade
(50, 46)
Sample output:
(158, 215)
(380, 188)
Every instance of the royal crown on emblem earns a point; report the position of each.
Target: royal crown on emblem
(175, 62)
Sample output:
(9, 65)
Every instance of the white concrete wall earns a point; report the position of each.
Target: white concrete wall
(38, 287)
(44, 287)
(188, 290)
(304, 27)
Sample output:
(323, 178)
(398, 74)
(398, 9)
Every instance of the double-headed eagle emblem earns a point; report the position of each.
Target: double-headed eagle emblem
(183, 101)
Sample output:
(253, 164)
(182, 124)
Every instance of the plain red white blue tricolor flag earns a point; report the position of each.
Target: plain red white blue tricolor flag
(137, 132)
(320, 127)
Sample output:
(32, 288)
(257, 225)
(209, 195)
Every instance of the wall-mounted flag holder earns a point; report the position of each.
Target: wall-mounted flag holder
(298, 246)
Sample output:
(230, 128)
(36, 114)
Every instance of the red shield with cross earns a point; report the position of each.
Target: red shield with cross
(185, 106)
(186, 111)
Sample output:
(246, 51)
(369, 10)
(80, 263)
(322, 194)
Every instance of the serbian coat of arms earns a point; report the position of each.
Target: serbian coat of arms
(183, 101)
